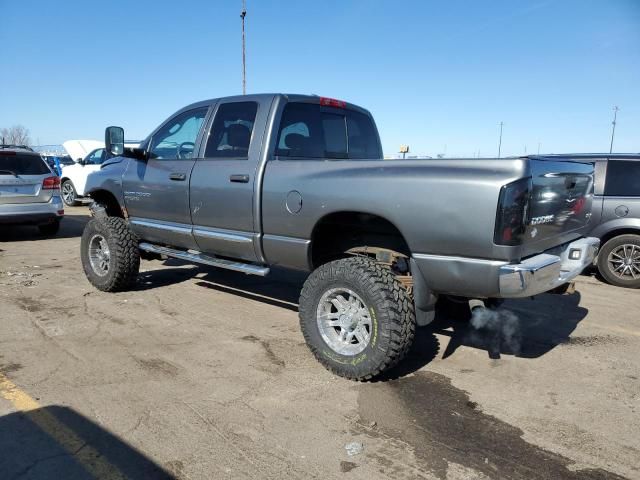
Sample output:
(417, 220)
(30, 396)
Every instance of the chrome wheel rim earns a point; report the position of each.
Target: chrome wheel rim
(67, 192)
(344, 321)
(624, 261)
(99, 255)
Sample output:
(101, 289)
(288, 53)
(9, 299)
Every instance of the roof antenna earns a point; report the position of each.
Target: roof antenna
(243, 14)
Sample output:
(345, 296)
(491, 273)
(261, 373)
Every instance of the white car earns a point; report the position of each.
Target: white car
(88, 155)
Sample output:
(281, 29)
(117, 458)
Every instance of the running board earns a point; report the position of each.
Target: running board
(205, 259)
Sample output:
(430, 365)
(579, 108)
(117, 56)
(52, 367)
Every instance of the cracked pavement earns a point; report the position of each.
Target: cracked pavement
(201, 373)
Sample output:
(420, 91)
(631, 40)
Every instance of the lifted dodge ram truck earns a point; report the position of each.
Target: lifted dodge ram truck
(251, 182)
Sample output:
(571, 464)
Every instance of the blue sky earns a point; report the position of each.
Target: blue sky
(437, 75)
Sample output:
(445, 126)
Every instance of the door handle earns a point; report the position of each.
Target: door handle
(239, 178)
(178, 176)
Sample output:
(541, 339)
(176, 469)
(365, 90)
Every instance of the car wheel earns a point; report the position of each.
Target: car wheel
(356, 317)
(50, 228)
(619, 261)
(109, 253)
(69, 194)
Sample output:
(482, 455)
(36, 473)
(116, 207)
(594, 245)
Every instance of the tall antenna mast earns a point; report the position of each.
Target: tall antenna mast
(613, 130)
(243, 14)
(500, 141)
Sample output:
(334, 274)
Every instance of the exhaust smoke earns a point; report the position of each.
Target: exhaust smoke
(498, 328)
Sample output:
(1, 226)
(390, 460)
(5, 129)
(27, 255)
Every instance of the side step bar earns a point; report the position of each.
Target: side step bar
(195, 257)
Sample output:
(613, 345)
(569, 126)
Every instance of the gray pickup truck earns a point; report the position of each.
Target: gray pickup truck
(252, 182)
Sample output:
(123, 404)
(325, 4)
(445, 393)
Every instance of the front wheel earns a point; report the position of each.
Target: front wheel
(619, 261)
(356, 317)
(109, 253)
(69, 194)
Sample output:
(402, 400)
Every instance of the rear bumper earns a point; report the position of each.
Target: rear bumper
(548, 270)
(483, 278)
(32, 213)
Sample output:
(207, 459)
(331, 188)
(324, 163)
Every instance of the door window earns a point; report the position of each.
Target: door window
(96, 157)
(623, 178)
(230, 135)
(176, 139)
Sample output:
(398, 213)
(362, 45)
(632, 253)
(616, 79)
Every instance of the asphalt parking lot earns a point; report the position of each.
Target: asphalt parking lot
(202, 374)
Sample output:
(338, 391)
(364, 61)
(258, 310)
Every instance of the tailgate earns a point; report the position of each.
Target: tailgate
(560, 203)
(23, 190)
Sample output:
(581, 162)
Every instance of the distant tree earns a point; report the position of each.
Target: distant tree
(16, 135)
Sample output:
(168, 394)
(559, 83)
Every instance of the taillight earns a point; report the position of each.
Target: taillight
(51, 183)
(513, 211)
(332, 102)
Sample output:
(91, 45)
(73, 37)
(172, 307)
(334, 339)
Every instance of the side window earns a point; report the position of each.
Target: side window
(623, 178)
(96, 157)
(300, 132)
(230, 134)
(176, 139)
(308, 130)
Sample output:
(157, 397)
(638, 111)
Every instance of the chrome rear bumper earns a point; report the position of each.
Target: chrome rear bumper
(548, 270)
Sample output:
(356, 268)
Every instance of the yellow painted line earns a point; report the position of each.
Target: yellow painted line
(90, 459)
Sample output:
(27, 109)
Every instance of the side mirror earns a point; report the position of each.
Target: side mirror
(114, 140)
(80, 161)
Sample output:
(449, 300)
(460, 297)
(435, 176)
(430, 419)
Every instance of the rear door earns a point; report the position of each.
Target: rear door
(156, 190)
(21, 177)
(224, 179)
(621, 190)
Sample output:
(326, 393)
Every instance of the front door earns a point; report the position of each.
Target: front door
(156, 191)
(224, 180)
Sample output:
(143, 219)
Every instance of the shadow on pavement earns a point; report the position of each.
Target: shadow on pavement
(522, 327)
(71, 226)
(57, 442)
(281, 288)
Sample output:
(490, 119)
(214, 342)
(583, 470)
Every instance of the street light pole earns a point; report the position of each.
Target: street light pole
(613, 130)
(500, 141)
(243, 14)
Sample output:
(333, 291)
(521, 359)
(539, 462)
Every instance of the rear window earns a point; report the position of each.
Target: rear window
(309, 130)
(623, 178)
(21, 164)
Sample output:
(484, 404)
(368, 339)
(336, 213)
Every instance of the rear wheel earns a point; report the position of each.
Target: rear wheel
(69, 194)
(356, 317)
(50, 228)
(619, 261)
(109, 253)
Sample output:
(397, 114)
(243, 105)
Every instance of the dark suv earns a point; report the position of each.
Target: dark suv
(616, 215)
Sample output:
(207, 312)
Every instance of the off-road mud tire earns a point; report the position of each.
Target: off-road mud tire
(124, 261)
(390, 307)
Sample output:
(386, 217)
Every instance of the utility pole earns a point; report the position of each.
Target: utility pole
(613, 130)
(539, 143)
(500, 141)
(243, 14)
